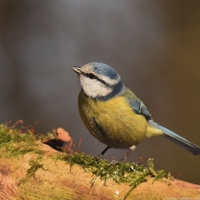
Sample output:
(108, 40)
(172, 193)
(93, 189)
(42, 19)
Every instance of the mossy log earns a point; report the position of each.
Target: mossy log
(31, 170)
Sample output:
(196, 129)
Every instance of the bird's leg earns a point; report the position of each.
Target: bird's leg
(104, 151)
(100, 156)
(126, 155)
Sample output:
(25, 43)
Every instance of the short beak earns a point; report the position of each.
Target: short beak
(77, 69)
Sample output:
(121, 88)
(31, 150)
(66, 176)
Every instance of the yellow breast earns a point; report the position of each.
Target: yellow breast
(112, 122)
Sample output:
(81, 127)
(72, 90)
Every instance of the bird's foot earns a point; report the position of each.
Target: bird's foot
(114, 162)
(98, 158)
(126, 155)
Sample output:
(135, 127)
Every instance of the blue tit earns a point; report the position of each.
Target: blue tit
(114, 115)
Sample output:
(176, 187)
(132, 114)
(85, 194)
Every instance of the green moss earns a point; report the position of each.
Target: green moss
(34, 165)
(120, 172)
(18, 142)
(14, 142)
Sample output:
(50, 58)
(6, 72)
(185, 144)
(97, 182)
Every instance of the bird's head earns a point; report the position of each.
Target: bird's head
(99, 81)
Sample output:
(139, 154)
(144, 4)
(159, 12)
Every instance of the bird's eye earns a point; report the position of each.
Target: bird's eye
(92, 76)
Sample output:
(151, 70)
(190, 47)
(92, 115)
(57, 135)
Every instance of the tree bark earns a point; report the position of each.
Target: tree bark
(54, 179)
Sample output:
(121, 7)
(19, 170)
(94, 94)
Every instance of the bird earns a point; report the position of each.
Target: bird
(114, 115)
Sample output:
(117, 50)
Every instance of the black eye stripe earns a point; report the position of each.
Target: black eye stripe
(93, 76)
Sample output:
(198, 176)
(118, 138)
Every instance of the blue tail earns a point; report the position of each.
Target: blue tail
(194, 149)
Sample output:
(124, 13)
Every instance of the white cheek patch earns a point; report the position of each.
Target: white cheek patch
(93, 87)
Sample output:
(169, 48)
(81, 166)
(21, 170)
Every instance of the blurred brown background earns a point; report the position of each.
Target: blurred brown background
(154, 45)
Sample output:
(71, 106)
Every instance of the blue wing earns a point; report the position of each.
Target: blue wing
(139, 108)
